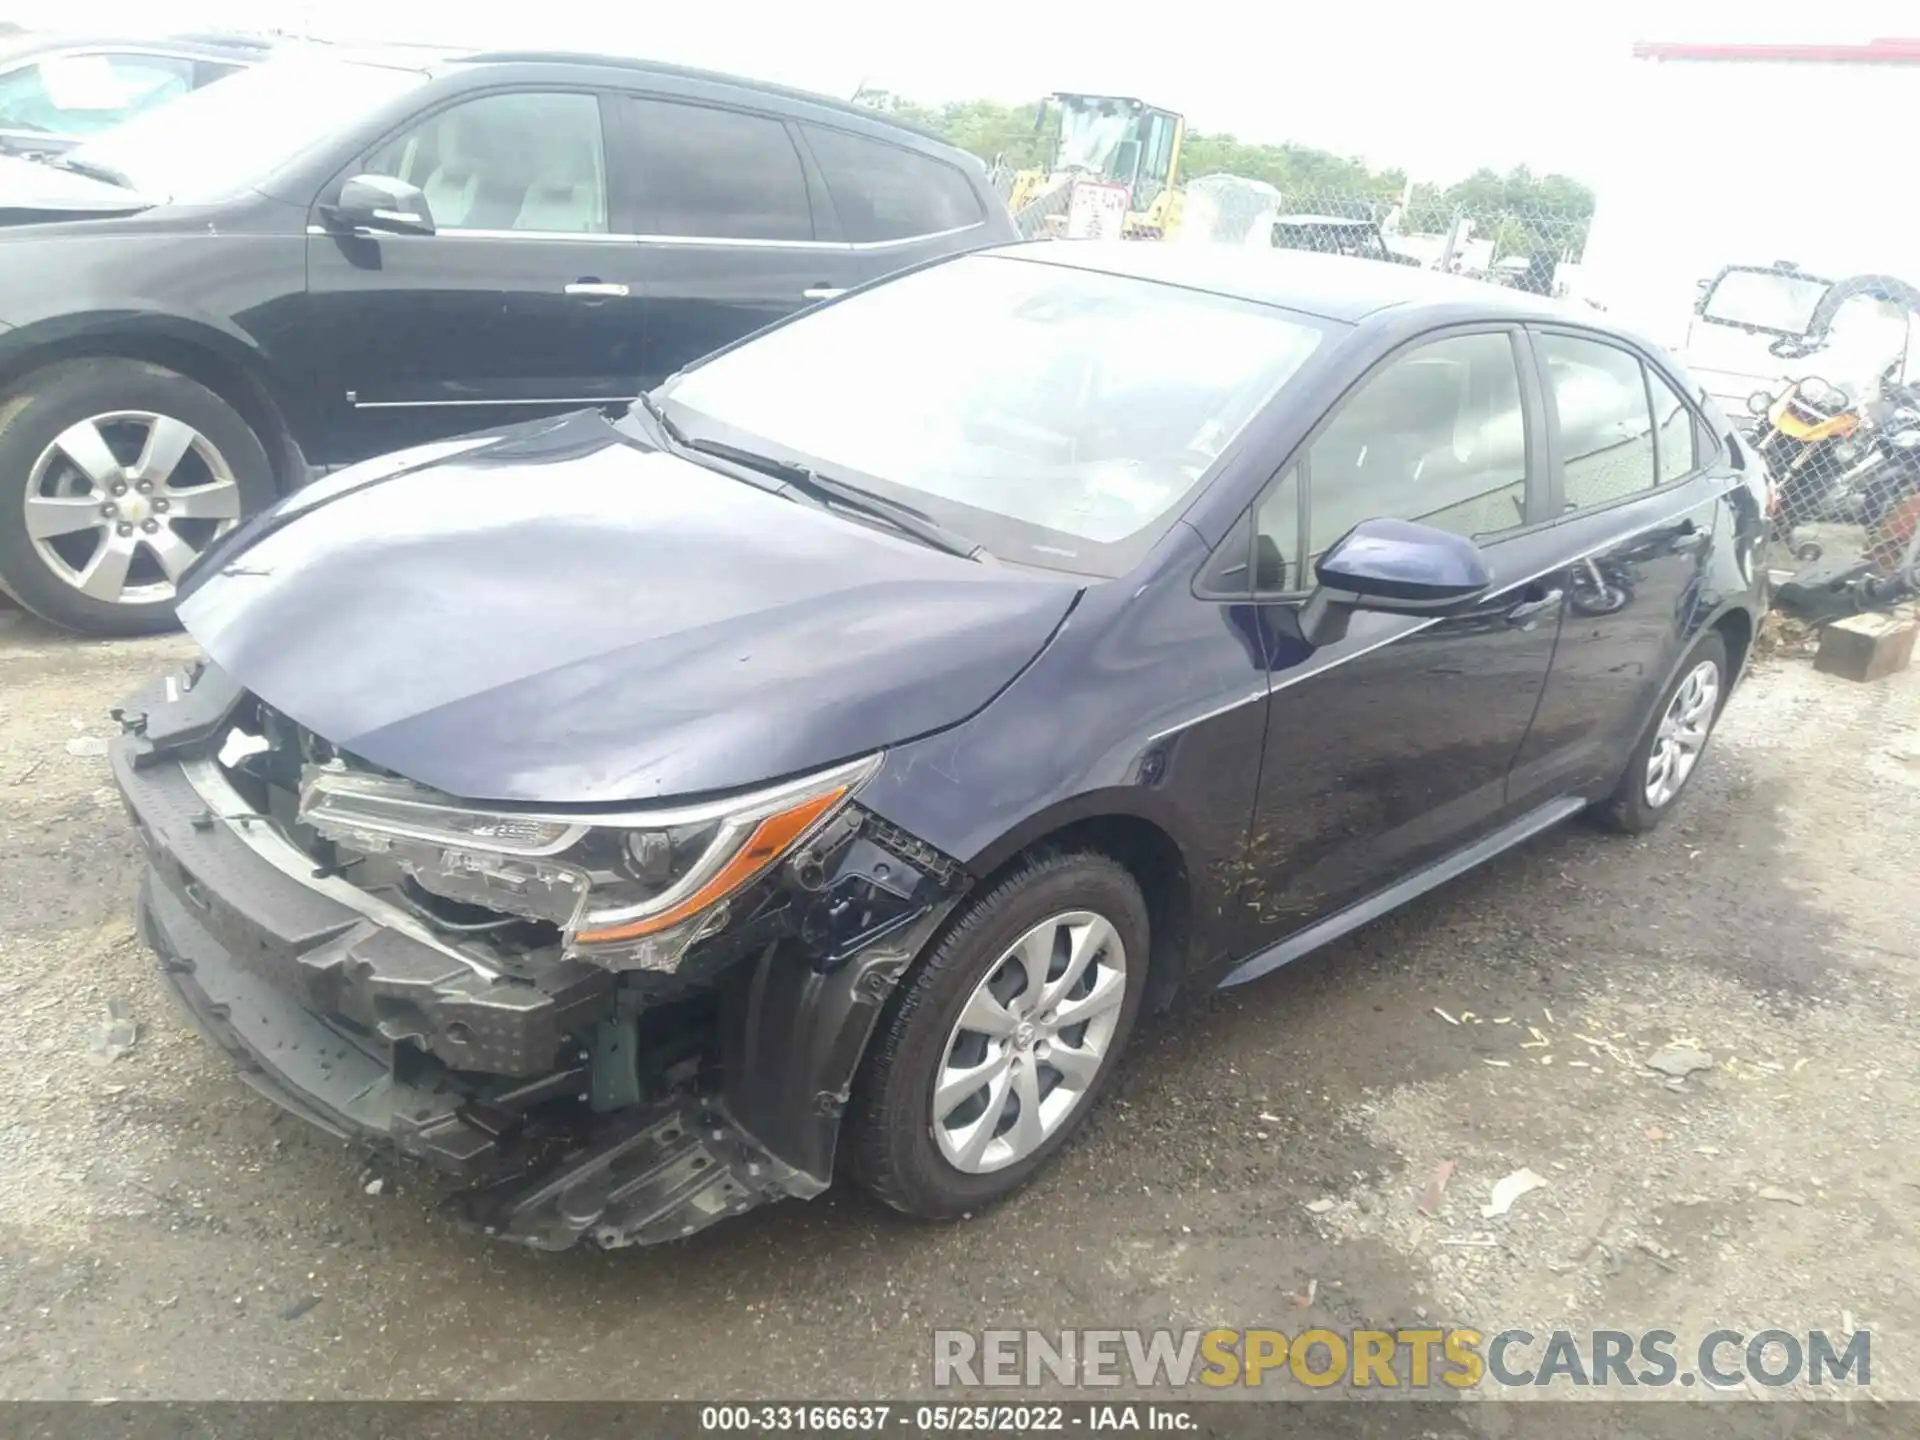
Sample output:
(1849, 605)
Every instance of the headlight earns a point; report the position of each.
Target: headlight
(1759, 403)
(629, 891)
(1816, 391)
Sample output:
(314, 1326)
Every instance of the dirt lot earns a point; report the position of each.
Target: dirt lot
(164, 1233)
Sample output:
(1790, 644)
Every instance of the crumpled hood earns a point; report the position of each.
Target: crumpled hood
(560, 616)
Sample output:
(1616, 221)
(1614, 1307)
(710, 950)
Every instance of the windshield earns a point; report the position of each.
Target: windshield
(1058, 416)
(1090, 135)
(228, 137)
(1769, 300)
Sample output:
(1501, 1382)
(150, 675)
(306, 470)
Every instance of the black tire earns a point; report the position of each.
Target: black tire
(888, 1140)
(1627, 809)
(43, 405)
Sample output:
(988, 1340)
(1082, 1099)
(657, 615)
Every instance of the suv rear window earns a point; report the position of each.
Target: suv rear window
(718, 174)
(883, 192)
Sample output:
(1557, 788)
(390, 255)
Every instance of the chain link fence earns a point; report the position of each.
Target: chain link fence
(1845, 461)
(1535, 248)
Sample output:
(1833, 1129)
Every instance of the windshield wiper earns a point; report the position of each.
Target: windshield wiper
(839, 495)
(657, 413)
(93, 170)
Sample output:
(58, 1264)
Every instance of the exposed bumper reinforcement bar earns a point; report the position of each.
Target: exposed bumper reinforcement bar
(636, 1178)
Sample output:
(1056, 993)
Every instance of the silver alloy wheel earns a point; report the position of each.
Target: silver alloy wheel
(1033, 1036)
(120, 504)
(1683, 733)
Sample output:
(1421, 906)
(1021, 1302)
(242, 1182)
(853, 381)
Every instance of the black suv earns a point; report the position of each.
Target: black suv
(335, 255)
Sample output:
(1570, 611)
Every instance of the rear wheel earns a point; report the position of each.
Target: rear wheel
(1674, 742)
(1002, 1039)
(115, 475)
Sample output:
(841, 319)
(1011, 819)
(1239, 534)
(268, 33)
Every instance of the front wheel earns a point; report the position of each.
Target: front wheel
(115, 475)
(1002, 1039)
(1670, 749)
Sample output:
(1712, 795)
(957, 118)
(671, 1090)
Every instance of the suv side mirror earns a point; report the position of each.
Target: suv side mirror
(1395, 566)
(379, 202)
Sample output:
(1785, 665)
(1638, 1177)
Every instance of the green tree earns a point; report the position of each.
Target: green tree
(1522, 212)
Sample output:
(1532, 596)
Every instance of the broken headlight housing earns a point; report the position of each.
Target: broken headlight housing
(629, 891)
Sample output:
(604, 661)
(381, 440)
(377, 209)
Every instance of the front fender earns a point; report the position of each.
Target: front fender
(85, 330)
(795, 1021)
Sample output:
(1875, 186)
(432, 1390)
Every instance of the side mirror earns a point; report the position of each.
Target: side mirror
(1395, 566)
(379, 202)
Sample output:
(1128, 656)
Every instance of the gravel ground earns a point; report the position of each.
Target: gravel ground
(165, 1233)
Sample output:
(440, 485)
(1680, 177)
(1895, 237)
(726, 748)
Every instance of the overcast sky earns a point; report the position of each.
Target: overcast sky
(1437, 89)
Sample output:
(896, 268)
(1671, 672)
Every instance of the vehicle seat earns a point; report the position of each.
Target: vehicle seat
(454, 184)
(566, 199)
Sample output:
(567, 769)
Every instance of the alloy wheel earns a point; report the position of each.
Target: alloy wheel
(1683, 733)
(1025, 1050)
(119, 505)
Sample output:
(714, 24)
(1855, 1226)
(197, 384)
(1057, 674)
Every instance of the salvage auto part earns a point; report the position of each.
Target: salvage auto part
(629, 891)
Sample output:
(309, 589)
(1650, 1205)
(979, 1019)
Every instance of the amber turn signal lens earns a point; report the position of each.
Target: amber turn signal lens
(770, 839)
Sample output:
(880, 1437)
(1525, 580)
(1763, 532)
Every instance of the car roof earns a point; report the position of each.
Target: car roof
(646, 66)
(1331, 287)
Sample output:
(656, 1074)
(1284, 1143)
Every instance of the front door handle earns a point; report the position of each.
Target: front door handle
(822, 292)
(1522, 616)
(597, 289)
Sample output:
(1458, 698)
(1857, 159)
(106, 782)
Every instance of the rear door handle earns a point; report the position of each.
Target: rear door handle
(822, 292)
(597, 289)
(1522, 616)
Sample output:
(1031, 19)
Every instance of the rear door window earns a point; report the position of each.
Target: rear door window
(1676, 432)
(884, 192)
(705, 172)
(1606, 421)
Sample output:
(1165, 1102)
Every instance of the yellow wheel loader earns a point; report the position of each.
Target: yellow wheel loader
(1104, 144)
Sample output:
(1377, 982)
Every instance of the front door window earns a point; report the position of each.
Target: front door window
(523, 160)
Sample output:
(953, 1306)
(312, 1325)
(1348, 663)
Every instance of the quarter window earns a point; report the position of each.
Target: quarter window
(718, 174)
(523, 160)
(883, 192)
(1438, 436)
(1606, 423)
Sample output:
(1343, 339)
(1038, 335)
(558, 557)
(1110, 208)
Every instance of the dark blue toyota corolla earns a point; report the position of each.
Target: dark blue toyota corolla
(824, 761)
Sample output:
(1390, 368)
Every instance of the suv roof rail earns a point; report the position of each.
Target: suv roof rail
(694, 72)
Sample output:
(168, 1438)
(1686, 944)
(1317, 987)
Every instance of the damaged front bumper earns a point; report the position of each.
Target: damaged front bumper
(533, 1089)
